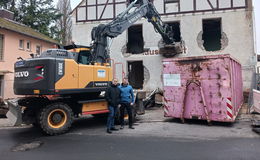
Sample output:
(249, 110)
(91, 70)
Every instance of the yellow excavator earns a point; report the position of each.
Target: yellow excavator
(64, 83)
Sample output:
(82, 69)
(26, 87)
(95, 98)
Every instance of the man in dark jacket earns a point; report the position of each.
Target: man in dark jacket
(113, 98)
(126, 102)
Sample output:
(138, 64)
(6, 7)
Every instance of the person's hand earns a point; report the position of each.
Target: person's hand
(119, 105)
(131, 104)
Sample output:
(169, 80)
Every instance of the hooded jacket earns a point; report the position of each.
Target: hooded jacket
(113, 95)
(127, 94)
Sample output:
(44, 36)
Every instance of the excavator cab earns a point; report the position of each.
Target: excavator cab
(83, 53)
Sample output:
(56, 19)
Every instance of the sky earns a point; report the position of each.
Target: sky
(256, 3)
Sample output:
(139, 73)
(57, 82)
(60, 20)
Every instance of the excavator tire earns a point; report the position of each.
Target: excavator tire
(56, 118)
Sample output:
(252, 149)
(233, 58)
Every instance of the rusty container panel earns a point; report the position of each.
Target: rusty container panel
(205, 87)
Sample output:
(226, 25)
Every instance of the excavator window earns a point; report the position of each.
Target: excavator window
(84, 57)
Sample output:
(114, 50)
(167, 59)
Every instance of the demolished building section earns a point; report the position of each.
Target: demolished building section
(205, 27)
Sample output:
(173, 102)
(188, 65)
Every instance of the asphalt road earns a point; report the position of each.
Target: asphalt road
(88, 140)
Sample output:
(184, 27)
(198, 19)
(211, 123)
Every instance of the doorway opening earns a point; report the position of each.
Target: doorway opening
(136, 74)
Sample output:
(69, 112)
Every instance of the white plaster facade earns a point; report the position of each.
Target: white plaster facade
(236, 23)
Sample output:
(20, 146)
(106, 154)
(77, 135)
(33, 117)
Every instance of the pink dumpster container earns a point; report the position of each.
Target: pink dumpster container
(205, 87)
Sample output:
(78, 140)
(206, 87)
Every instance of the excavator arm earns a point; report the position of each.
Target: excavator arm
(135, 11)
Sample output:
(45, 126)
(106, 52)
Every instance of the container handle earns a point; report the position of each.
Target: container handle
(196, 82)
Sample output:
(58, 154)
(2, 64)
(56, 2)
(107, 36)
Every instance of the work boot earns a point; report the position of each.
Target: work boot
(131, 127)
(108, 131)
(122, 127)
(114, 129)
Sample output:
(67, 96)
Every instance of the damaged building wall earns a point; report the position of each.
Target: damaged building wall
(236, 37)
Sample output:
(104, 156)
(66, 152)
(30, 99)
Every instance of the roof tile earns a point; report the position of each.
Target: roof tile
(23, 29)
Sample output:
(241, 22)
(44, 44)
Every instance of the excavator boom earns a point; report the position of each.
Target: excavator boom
(135, 11)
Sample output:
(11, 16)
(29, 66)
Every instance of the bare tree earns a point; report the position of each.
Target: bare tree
(8, 4)
(64, 23)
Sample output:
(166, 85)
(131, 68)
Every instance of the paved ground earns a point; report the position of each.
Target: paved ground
(155, 137)
(153, 123)
(20, 145)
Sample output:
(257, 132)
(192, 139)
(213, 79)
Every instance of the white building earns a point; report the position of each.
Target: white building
(206, 26)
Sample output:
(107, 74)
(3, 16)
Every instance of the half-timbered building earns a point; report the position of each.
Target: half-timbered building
(206, 27)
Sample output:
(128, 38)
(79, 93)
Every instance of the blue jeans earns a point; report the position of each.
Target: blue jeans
(111, 117)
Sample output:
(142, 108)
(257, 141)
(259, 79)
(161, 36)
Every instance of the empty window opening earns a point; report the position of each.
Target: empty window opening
(1, 47)
(135, 43)
(28, 46)
(136, 74)
(212, 34)
(176, 30)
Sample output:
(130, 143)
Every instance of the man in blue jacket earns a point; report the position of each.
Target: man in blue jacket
(126, 102)
(113, 98)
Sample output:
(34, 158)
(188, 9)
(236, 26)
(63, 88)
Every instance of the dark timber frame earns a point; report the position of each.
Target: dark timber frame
(115, 3)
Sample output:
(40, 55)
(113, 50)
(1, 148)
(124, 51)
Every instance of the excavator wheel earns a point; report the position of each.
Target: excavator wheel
(56, 118)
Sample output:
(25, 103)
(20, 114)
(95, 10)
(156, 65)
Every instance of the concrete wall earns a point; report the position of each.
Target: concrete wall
(12, 52)
(237, 28)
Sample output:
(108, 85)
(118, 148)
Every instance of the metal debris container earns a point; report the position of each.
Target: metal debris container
(204, 87)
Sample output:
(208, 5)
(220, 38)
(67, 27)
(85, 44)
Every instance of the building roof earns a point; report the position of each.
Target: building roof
(23, 29)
